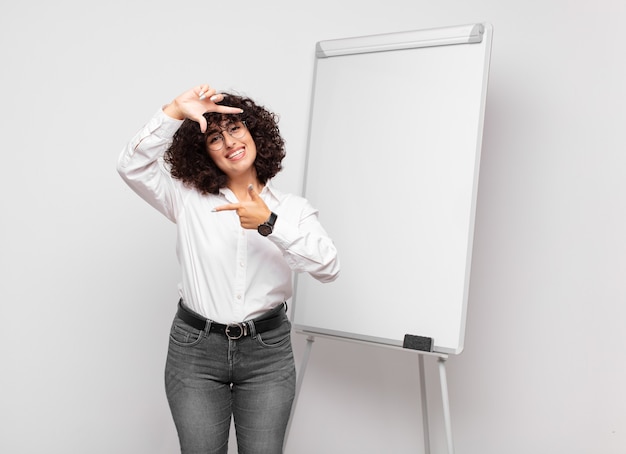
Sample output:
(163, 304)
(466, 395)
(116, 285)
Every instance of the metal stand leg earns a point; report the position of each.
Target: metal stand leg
(425, 424)
(422, 377)
(446, 404)
(299, 380)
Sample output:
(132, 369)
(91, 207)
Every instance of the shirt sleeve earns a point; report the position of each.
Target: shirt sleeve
(305, 244)
(142, 167)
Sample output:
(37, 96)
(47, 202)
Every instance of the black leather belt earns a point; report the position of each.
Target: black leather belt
(272, 320)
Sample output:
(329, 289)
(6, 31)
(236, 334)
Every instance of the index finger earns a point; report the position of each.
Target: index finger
(214, 99)
(227, 207)
(227, 109)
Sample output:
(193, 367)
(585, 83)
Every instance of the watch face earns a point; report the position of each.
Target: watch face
(265, 229)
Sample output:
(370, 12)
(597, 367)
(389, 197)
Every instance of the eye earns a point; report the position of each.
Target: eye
(215, 138)
(232, 129)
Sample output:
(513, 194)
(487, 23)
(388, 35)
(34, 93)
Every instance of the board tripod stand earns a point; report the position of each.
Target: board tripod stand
(445, 401)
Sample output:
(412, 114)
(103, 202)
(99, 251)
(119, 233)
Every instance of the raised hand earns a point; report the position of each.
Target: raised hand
(195, 102)
(251, 212)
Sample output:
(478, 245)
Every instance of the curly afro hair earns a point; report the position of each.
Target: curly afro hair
(189, 158)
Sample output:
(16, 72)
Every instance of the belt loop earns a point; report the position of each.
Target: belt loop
(252, 328)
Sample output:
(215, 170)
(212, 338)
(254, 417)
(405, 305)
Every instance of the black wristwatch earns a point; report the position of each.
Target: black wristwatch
(268, 226)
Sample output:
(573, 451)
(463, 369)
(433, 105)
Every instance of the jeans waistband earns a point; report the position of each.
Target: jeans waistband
(266, 322)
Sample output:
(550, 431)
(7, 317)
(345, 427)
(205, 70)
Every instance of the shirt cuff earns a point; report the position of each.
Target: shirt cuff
(164, 124)
(284, 235)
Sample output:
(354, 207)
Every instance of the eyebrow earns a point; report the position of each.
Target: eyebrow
(217, 129)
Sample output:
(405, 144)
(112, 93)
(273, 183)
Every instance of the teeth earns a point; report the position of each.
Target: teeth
(236, 153)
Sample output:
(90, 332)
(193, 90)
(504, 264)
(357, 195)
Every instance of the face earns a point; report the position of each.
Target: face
(232, 148)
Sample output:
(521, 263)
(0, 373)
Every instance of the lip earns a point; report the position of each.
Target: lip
(236, 155)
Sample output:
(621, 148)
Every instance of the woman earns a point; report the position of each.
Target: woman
(205, 161)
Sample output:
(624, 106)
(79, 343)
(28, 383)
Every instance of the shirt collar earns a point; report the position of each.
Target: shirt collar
(267, 191)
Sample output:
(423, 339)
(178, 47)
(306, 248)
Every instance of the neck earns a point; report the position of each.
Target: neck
(239, 187)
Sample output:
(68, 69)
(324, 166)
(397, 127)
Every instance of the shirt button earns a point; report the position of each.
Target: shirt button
(238, 297)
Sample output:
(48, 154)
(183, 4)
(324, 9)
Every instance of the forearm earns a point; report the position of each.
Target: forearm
(173, 111)
(141, 165)
(307, 247)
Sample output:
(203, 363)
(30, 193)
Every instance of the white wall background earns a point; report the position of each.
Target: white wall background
(88, 270)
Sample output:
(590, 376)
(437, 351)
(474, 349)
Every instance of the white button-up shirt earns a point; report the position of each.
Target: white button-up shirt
(229, 274)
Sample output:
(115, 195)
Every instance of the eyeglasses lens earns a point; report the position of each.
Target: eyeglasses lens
(236, 130)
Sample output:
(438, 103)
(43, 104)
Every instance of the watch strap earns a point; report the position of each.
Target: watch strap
(268, 226)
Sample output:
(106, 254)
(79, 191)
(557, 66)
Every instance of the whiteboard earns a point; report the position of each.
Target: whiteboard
(392, 165)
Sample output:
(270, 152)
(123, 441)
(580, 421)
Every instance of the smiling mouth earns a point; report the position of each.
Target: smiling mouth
(237, 154)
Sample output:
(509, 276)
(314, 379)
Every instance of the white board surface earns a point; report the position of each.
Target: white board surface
(392, 164)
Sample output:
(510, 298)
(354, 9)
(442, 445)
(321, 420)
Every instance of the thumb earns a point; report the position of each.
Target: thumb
(202, 122)
(253, 194)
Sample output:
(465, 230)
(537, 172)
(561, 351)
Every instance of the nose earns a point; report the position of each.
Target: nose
(229, 140)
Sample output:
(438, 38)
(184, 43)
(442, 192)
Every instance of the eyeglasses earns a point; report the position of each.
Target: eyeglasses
(237, 130)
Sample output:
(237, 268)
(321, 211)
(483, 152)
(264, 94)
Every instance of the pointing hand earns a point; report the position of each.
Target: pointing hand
(251, 212)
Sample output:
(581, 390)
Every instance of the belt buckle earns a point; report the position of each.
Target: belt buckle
(242, 330)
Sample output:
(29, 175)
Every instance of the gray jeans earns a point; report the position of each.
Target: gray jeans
(209, 378)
